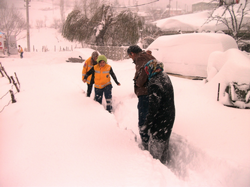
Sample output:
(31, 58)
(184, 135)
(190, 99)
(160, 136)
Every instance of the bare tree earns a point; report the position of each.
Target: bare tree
(12, 22)
(56, 23)
(87, 7)
(39, 24)
(232, 14)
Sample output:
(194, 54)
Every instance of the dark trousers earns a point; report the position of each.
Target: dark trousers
(89, 90)
(21, 54)
(159, 149)
(142, 114)
(107, 91)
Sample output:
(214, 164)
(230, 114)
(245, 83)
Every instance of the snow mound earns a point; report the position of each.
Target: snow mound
(188, 54)
(189, 22)
(233, 65)
(230, 68)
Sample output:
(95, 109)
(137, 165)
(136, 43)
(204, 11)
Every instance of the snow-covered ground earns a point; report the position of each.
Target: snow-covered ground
(55, 136)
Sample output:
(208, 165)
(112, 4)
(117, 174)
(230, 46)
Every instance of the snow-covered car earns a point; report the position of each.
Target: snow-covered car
(230, 70)
(187, 54)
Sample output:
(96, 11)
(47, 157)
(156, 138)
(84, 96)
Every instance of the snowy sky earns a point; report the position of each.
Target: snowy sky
(183, 4)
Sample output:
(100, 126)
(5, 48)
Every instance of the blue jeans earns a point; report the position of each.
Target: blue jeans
(142, 114)
(107, 91)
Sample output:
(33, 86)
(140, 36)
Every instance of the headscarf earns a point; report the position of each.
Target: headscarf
(153, 67)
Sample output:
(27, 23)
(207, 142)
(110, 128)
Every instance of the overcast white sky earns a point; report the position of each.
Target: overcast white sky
(182, 4)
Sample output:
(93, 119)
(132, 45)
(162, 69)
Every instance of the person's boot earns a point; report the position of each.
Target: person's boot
(143, 146)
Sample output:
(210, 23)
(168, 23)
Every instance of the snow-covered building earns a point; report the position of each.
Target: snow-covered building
(204, 5)
(168, 12)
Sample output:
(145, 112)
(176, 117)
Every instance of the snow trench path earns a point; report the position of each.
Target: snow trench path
(188, 162)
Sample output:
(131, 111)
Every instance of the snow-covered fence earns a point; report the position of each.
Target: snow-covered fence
(9, 90)
(54, 48)
(112, 52)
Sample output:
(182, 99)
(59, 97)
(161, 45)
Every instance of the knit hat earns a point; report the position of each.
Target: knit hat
(100, 58)
(94, 54)
(153, 67)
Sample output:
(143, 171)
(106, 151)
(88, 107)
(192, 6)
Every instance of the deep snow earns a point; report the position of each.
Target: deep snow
(55, 136)
(175, 51)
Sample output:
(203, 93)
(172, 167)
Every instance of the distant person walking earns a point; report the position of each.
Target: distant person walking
(89, 63)
(161, 111)
(20, 50)
(102, 72)
(140, 58)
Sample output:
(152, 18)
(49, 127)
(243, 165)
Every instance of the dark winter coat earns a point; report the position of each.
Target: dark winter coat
(161, 113)
(141, 77)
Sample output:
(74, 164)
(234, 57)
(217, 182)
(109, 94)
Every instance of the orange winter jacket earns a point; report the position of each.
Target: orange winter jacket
(102, 76)
(20, 50)
(87, 66)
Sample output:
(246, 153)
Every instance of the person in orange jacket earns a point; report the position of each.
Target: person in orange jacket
(102, 72)
(20, 50)
(89, 63)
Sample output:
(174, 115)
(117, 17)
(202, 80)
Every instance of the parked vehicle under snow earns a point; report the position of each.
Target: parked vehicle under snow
(230, 70)
(187, 54)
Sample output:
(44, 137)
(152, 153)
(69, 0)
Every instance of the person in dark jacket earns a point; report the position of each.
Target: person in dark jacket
(161, 111)
(140, 58)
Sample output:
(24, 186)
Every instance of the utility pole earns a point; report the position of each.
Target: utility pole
(169, 6)
(28, 25)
